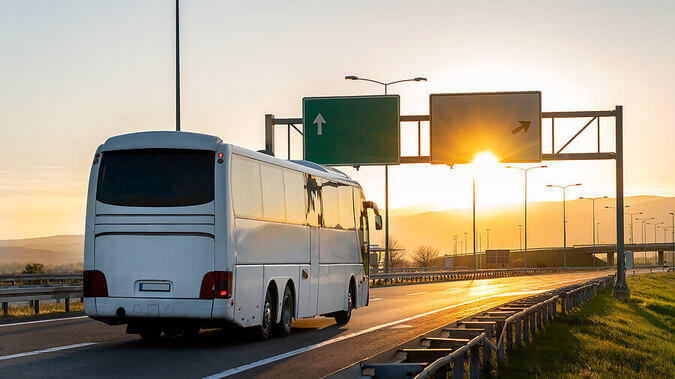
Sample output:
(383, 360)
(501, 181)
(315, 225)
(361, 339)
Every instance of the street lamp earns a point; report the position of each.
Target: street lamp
(386, 167)
(455, 239)
(564, 188)
(593, 199)
(465, 243)
(416, 79)
(631, 219)
(525, 170)
(644, 234)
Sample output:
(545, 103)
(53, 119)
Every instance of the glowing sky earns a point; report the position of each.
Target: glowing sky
(73, 73)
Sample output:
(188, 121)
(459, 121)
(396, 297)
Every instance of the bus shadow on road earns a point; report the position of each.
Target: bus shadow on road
(230, 336)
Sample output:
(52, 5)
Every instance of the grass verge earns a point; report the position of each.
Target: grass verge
(607, 338)
(21, 312)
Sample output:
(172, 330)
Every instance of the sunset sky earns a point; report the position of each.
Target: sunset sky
(73, 73)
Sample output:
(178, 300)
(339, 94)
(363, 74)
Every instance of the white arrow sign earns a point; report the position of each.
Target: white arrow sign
(319, 121)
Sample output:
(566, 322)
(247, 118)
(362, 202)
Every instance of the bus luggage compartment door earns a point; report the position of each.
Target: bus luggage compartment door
(154, 265)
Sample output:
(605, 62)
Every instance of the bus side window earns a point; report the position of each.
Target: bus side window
(346, 201)
(294, 184)
(362, 228)
(312, 201)
(246, 187)
(331, 209)
(274, 208)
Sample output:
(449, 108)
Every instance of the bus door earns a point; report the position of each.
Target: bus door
(309, 281)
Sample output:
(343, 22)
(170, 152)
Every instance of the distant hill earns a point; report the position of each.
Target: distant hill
(53, 250)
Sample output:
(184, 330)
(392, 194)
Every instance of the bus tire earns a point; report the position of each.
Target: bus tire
(283, 328)
(343, 317)
(264, 330)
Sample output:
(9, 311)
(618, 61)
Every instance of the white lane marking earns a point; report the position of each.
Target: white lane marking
(41, 321)
(49, 350)
(379, 298)
(414, 293)
(305, 349)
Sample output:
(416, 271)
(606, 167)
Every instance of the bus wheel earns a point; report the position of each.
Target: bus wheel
(343, 317)
(264, 330)
(283, 328)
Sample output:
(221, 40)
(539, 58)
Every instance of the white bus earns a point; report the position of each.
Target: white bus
(184, 232)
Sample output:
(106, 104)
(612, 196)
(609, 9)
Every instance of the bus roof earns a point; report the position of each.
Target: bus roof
(188, 140)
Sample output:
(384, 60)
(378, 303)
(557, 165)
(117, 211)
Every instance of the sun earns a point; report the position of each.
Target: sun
(485, 160)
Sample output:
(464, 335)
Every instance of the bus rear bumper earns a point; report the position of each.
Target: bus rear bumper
(122, 308)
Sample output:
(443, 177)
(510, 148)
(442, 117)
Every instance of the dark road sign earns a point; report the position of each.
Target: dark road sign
(508, 124)
(352, 130)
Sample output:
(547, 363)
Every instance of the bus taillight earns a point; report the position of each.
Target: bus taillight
(94, 284)
(216, 285)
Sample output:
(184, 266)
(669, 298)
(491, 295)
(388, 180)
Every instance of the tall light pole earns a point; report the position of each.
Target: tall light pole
(177, 65)
(455, 239)
(627, 214)
(593, 226)
(386, 167)
(465, 243)
(672, 227)
(644, 235)
(564, 189)
(525, 170)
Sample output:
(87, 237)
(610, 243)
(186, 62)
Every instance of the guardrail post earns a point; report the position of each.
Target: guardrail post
(509, 338)
(518, 333)
(533, 324)
(540, 310)
(474, 363)
(458, 367)
(5, 309)
(67, 302)
(487, 352)
(37, 306)
(526, 329)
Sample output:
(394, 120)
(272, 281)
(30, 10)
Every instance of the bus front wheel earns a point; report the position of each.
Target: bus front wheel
(343, 317)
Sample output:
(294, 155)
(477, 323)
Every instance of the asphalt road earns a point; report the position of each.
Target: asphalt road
(317, 347)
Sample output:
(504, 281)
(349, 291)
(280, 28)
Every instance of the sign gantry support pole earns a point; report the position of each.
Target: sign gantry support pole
(621, 290)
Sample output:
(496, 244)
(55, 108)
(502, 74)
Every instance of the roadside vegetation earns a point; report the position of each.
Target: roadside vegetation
(18, 312)
(607, 338)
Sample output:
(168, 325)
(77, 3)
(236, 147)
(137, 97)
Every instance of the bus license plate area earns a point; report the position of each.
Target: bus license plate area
(154, 287)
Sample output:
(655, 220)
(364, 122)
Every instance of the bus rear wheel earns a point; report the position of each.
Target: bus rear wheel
(264, 330)
(284, 326)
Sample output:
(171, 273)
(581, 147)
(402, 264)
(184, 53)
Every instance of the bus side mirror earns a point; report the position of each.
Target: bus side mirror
(378, 222)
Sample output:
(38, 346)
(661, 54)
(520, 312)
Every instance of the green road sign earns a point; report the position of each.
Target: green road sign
(352, 130)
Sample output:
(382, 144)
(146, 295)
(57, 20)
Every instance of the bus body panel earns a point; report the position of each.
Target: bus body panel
(152, 265)
(247, 292)
(259, 242)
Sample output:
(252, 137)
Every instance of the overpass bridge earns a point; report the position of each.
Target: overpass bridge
(577, 255)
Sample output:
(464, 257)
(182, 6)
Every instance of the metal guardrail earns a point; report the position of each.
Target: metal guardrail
(444, 351)
(19, 288)
(394, 278)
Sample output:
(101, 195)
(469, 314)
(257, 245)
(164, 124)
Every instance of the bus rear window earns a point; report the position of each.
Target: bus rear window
(156, 177)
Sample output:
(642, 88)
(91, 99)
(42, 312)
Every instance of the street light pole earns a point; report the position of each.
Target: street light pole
(177, 66)
(525, 170)
(564, 189)
(593, 199)
(386, 167)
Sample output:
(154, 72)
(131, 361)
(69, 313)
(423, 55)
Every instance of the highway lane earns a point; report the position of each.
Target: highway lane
(316, 347)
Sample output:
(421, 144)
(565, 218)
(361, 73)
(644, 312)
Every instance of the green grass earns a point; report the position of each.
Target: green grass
(17, 312)
(607, 338)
